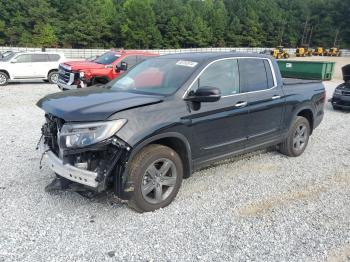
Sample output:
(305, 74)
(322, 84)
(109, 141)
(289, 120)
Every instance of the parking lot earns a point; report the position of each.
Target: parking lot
(261, 206)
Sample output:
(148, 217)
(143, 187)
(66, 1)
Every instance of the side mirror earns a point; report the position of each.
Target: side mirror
(13, 61)
(205, 94)
(122, 67)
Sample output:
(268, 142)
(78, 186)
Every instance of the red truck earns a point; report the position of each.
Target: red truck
(78, 74)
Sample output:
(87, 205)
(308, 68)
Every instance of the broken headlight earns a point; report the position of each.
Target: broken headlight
(80, 135)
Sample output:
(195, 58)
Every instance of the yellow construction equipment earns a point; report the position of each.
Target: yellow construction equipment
(279, 53)
(320, 51)
(303, 51)
(334, 51)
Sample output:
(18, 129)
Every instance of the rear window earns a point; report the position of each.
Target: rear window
(54, 57)
(39, 58)
(255, 75)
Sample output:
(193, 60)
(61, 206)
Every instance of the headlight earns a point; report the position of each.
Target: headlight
(81, 74)
(337, 92)
(80, 135)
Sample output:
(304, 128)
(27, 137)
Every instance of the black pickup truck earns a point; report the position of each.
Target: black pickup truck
(142, 133)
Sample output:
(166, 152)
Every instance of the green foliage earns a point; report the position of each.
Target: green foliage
(172, 23)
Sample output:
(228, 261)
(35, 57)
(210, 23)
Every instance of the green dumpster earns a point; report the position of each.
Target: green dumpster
(306, 69)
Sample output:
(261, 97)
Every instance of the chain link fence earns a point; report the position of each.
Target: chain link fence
(86, 53)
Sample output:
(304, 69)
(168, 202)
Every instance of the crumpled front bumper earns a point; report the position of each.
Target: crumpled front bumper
(81, 176)
(63, 86)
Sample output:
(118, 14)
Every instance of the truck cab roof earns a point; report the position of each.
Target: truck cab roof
(211, 56)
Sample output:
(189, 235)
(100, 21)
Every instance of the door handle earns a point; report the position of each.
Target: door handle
(241, 104)
(275, 97)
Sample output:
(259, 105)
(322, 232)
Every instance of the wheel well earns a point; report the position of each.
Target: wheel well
(4, 71)
(100, 80)
(52, 70)
(179, 147)
(307, 113)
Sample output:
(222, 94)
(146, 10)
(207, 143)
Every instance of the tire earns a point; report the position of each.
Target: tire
(150, 189)
(4, 79)
(336, 107)
(296, 142)
(53, 77)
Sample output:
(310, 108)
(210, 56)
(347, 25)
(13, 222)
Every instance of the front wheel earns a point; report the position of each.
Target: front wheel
(157, 173)
(53, 77)
(4, 78)
(298, 137)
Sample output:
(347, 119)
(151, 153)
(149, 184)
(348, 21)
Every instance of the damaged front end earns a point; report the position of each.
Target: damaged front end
(87, 157)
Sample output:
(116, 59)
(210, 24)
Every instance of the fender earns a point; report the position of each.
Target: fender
(6, 72)
(298, 109)
(151, 139)
(126, 189)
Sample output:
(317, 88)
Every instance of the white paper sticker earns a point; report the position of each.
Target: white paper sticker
(186, 63)
(289, 65)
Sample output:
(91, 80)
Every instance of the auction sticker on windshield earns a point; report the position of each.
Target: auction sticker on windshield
(186, 63)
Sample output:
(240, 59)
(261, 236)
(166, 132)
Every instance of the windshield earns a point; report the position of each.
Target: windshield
(7, 56)
(159, 76)
(107, 58)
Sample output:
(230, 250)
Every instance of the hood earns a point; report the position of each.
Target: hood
(81, 65)
(346, 73)
(92, 104)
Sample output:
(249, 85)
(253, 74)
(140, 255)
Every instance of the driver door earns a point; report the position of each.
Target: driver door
(22, 67)
(220, 128)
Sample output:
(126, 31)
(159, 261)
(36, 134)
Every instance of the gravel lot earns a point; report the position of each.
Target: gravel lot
(261, 206)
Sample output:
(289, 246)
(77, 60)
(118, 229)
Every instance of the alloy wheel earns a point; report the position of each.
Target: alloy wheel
(2, 79)
(300, 137)
(54, 78)
(159, 181)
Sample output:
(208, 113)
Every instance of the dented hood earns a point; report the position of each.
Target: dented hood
(346, 73)
(92, 104)
(81, 65)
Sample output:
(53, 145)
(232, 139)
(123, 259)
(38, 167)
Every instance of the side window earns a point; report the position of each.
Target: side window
(131, 60)
(252, 75)
(40, 58)
(54, 57)
(270, 81)
(25, 58)
(223, 74)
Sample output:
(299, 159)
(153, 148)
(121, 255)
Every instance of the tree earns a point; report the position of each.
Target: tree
(172, 23)
(44, 35)
(139, 28)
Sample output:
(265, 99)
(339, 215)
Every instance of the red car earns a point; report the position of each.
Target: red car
(78, 74)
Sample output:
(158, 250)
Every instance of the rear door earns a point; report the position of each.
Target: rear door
(219, 128)
(265, 99)
(42, 65)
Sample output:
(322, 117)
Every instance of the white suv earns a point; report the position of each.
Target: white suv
(30, 66)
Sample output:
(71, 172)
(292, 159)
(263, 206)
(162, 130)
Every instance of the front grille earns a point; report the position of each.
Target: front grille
(65, 76)
(346, 93)
(50, 132)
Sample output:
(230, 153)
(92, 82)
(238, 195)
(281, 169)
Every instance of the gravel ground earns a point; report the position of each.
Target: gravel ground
(261, 206)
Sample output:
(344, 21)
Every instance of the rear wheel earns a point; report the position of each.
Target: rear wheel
(157, 173)
(4, 78)
(298, 138)
(53, 77)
